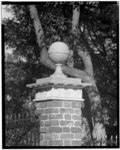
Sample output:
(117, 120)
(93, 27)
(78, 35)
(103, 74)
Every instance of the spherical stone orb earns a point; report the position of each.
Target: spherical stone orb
(58, 52)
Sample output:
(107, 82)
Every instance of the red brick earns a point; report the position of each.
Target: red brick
(78, 111)
(76, 104)
(39, 111)
(44, 143)
(54, 104)
(78, 136)
(43, 129)
(55, 116)
(77, 123)
(43, 117)
(67, 117)
(76, 143)
(42, 123)
(66, 123)
(82, 105)
(51, 110)
(67, 136)
(67, 104)
(55, 129)
(51, 136)
(67, 143)
(41, 137)
(56, 143)
(52, 123)
(66, 110)
(76, 117)
(66, 129)
(41, 104)
(75, 130)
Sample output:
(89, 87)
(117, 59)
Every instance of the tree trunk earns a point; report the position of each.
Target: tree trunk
(86, 75)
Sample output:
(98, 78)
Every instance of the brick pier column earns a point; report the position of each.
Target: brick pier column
(59, 101)
(60, 122)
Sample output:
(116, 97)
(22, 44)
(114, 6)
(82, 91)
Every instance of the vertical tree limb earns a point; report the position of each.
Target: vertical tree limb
(86, 75)
(44, 59)
(75, 18)
(93, 93)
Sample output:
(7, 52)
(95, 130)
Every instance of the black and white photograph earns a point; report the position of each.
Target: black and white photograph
(60, 64)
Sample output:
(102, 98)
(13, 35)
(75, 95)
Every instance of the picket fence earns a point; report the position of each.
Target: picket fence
(22, 129)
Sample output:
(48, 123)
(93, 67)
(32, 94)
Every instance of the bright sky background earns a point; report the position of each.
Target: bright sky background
(9, 15)
(6, 14)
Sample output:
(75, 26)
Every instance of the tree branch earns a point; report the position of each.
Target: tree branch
(92, 91)
(44, 59)
(37, 25)
(86, 75)
(87, 61)
(75, 18)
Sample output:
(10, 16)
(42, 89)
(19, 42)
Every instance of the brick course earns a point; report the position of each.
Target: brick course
(56, 116)
(67, 136)
(44, 117)
(67, 143)
(75, 130)
(67, 116)
(60, 123)
(66, 129)
(76, 143)
(50, 136)
(55, 129)
(39, 111)
(54, 104)
(68, 104)
(76, 117)
(51, 110)
(66, 110)
(52, 123)
(56, 143)
(66, 123)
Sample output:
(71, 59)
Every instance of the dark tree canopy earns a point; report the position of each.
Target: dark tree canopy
(98, 33)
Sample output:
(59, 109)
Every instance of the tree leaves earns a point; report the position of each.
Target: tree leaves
(98, 35)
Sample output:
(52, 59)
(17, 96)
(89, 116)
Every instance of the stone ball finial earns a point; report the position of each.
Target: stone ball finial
(58, 52)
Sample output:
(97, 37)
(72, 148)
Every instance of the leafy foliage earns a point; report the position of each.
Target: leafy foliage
(98, 34)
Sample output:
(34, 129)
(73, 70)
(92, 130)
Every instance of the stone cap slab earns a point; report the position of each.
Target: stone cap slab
(59, 94)
(58, 81)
